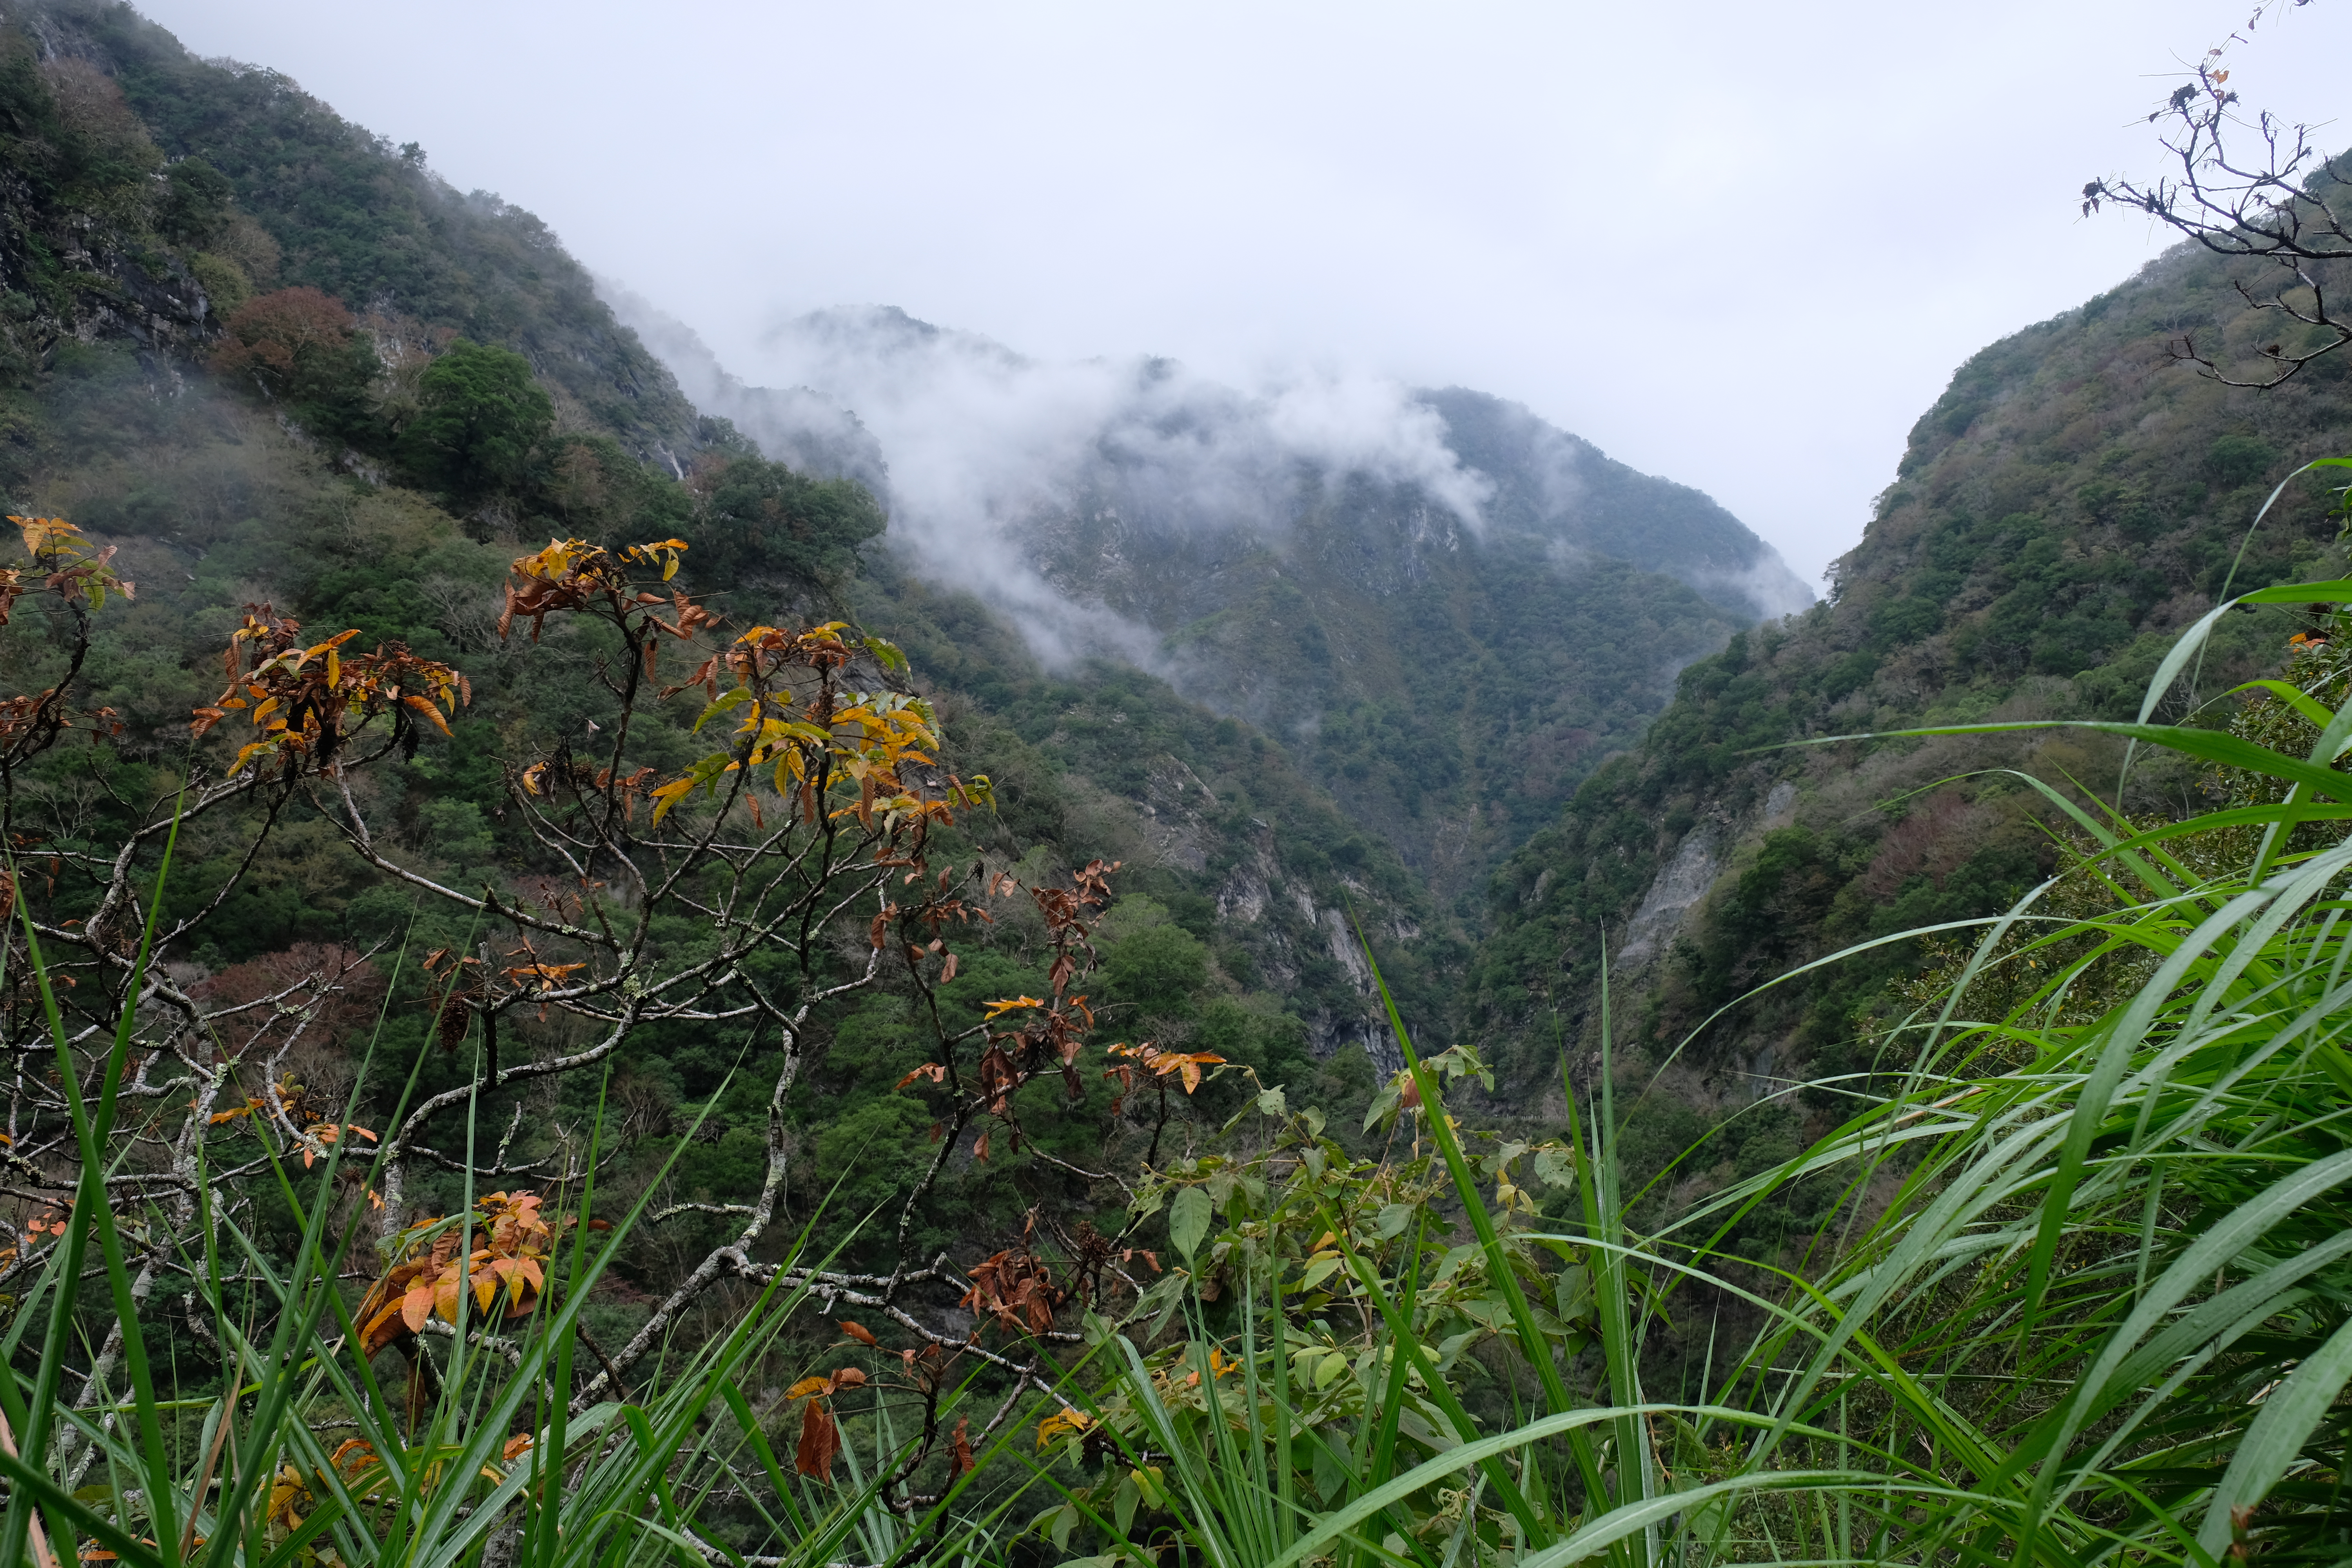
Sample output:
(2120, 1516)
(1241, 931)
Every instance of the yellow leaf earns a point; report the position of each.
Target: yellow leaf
(1062, 1421)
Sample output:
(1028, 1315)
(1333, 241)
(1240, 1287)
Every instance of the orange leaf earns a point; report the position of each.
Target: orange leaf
(416, 1306)
(859, 1333)
(430, 712)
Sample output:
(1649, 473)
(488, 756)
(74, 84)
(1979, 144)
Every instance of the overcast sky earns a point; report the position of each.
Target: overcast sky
(1742, 245)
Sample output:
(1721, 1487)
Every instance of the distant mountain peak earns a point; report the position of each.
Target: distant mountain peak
(972, 443)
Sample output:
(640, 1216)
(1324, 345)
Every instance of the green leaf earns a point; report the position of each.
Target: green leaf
(1634, 1517)
(2289, 1413)
(2292, 696)
(726, 700)
(1188, 1221)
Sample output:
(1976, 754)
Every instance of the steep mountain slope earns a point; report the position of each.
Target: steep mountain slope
(2073, 500)
(150, 197)
(257, 185)
(1447, 610)
(1440, 611)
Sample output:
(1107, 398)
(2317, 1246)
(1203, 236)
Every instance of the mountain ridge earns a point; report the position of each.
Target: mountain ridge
(1312, 560)
(309, 491)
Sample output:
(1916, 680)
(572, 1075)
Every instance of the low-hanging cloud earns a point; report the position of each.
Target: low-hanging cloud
(976, 447)
(980, 438)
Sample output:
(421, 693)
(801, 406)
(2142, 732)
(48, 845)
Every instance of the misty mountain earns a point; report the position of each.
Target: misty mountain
(1447, 609)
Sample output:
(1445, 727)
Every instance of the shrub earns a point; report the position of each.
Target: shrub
(302, 348)
(481, 414)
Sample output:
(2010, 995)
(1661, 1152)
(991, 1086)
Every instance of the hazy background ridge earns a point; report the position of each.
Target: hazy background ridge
(978, 449)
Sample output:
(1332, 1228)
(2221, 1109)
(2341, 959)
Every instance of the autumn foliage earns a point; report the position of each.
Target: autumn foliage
(496, 1256)
(799, 848)
(276, 338)
(308, 702)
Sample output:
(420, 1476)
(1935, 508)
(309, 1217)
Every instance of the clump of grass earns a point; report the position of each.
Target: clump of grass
(2099, 1308)
(306, 1458)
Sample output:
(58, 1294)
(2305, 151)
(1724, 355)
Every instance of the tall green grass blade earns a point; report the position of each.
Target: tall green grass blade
(91, 1128)
(1533, 1347)
(1644, 1517)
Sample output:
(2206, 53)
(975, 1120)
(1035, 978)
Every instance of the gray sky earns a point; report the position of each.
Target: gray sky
(1739, 244)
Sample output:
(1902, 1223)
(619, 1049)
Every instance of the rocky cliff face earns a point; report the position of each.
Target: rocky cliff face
(98, 239)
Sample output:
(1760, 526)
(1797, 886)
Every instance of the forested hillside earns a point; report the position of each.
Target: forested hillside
(2076, 499)
(586, 982)
(232, 179)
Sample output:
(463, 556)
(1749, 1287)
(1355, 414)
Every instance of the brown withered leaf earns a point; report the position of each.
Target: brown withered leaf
(959, 1462)
(456, 1016)
(859, 1333)
(820, 1442)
